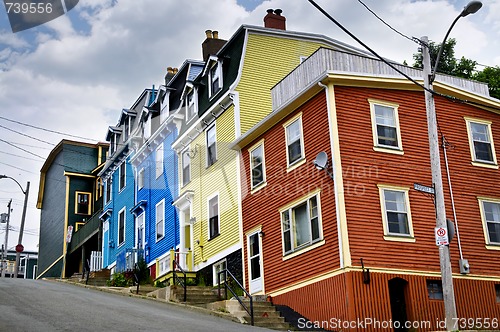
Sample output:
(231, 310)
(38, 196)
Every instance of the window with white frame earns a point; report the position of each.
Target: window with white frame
(294, 141)
(159, 160)
(215, 78)
(385, 123)
(301, 225)
(217, 268)
(121, 227)
(186, 167)
(160, 220)
(481, 141)
(122, 175)
(257, 165)
(140, 179)
(211, 145)
(396, 214)
(190, 105)
(126, 129)
(108, 190)
(490, 213)
(83, 203)
(112, 146)
(213, 217)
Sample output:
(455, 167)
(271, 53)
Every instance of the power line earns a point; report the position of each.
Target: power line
(26, 135)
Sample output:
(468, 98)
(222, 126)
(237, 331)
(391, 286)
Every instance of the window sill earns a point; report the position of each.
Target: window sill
(213, 237)
(258, 187)
(296, 165)
(484, 164)
(158, 240)
(185, 184)
(493, 246)
(401, 238)
(304, 250)
(208, 166)
(388, 150)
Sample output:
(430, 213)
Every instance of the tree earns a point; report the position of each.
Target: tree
(490, 75)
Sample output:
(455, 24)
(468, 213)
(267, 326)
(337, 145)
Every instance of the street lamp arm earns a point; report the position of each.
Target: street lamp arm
(8, 177)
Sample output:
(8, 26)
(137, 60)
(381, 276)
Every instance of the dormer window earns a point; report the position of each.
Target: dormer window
(215, 78)
(112, 147)
(126, 129)
(190, 105)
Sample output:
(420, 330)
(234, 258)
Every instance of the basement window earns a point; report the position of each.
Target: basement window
(435, 289)
(497, 292)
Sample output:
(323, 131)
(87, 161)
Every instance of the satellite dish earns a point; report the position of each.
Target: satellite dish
(321, 161)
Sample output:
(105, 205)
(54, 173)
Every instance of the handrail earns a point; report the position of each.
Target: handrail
(226, 287)
(86, 268)
(176, 278)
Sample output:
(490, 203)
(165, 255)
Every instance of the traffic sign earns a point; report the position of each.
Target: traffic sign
(19, 248)
(422, 188)
(441, 234)
(70, 233)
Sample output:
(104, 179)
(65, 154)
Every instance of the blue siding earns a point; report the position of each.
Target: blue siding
(155, 190)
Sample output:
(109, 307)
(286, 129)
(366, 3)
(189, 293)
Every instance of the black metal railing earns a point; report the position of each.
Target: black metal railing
(183, 282)
(227, 286)
(86, 271)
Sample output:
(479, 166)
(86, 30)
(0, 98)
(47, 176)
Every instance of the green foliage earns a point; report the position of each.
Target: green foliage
(490, 75)
(141, 270)
(161, 284)
(119, 280)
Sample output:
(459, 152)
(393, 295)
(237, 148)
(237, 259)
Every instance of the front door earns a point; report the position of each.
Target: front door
(398, 302)
(255, 262)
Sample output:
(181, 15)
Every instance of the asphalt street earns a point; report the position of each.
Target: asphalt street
(36, 306)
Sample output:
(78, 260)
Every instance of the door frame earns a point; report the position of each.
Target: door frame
(260, 288)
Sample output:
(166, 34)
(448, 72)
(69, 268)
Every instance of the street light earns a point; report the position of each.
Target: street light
(23, 218)
(444, 251)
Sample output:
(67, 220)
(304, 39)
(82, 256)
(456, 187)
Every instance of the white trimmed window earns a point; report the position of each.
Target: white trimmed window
(294, 141)
(301, 225)
(160, 220)
(490, 214)
(122, 176)
(385, 127)
(186, 167)
(82, 205)
(211, 145)
(218, 267)
(121, 227)
(159, 160)
(213, 216)
(481, 144)
(190, 103)
(140, 179)
(257, 165)
(396, 215)
(215, 78)
(108, 190)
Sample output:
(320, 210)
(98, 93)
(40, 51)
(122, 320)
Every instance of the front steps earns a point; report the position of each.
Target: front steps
(195, 295)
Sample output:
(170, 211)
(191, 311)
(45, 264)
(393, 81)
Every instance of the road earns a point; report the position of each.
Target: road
(38, 306)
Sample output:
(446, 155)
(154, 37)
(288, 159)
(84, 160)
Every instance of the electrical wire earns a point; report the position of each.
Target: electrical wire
(26, 135)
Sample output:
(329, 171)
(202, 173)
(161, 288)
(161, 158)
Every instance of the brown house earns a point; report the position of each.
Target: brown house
(354, 247)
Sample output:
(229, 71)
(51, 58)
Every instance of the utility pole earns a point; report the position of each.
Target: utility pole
(437, 180)
(4, 253)
(21, 230)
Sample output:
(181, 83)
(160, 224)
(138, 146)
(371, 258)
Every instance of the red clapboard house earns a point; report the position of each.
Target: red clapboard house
(356, 243)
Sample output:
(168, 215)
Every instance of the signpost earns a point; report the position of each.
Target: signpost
(441, 234)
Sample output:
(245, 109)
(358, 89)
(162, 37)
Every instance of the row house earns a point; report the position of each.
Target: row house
(329, 210)
(231, 95)
(70, 201)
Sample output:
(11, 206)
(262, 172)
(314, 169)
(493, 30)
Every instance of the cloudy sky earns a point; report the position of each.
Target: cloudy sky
(74, 74)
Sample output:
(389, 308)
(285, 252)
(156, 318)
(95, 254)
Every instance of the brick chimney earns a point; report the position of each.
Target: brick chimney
(212, 44)
(274, 20)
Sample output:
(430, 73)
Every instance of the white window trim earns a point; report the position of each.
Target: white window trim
(195, 104)
(206, 144)
(120, 187)
(137, 224)
(218, 215)
(383, 148)
(264, 182)
(314, 244)
(89, 209)
(141, 178)
(124, 228)
(186, 150)
(159, 162)
(214, 266)
(481, 200)
(302, 159)
(211, 93)
(156, 220)
(109, 183)
(391, 236)
(475, 162)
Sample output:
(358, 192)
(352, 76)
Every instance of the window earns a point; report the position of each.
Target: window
(82, 203)
(497, 292)
(385, 127)
(108, 190)
(396, 215)
(190, 105)
(160, 220)
(211, 146)
(481, 142)
(121, 227)
(159, 160)
(218, 267)
(122, 176)
(126, 129)
(215, 78)
(213, 217)
(435, 289)
(294, 144)
(257, 166)
(112, 147)
(301, 225)
(186, 167)
(140, 179)
(490, 213)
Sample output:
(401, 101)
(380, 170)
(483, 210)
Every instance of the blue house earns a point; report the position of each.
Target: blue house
(155, 163)
(119, 244)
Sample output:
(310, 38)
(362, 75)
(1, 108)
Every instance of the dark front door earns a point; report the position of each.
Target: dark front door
(397, 288)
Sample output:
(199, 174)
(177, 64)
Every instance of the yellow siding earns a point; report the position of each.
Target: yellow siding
(219, 178)
(268, 60)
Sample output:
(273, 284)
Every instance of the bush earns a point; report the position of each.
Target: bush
(120, 280)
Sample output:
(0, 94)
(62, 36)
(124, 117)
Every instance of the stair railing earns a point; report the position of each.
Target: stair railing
(183, 282)
(227, 286)
(86, 271)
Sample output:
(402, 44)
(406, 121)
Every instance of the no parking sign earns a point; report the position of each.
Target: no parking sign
(441, 236)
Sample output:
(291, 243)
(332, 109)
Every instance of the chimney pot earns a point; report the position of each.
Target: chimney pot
(215, 34)
(270, 11)
(208, 33)
(278, 12)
